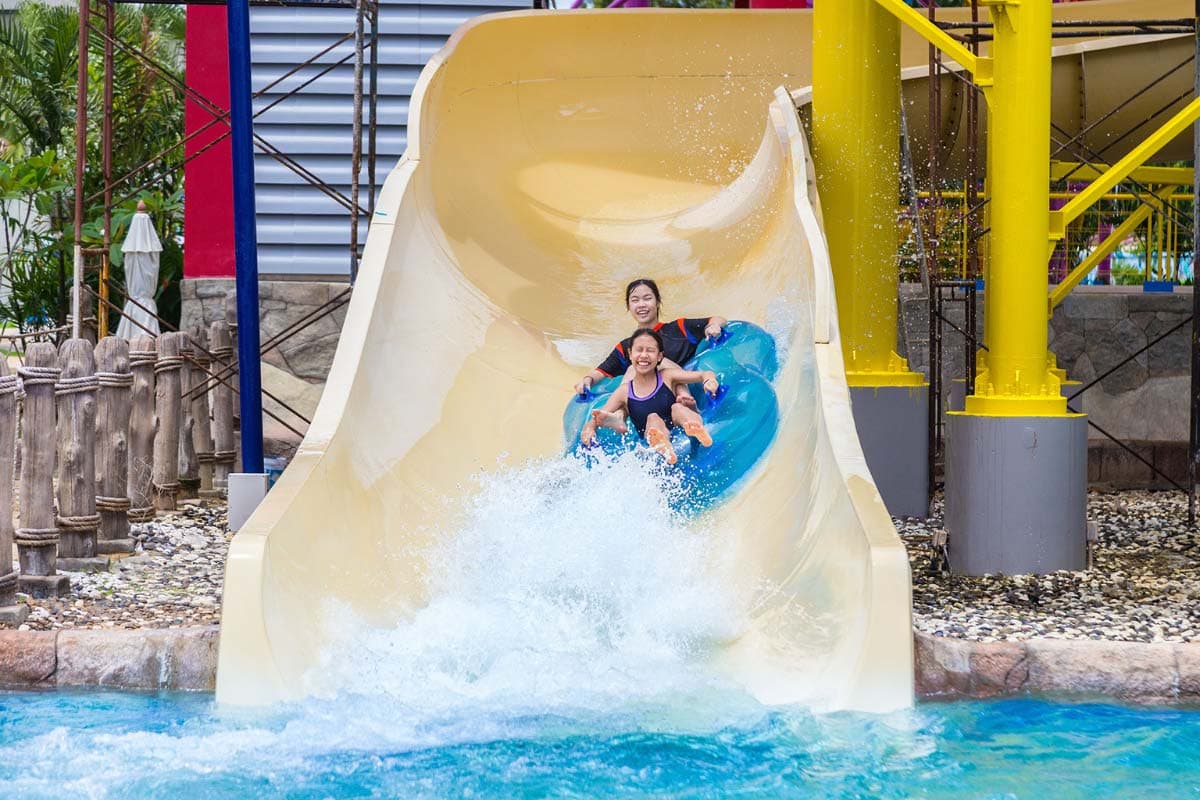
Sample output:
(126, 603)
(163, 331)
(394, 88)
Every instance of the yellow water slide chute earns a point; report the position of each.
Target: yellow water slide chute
(552, 157)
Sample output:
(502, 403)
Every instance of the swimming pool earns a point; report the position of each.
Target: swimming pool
(175, 745)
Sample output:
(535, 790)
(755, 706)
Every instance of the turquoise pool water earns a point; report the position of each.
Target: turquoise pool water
(133, 746)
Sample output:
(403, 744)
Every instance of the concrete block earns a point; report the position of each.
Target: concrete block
(127, 659)
(12, 616)
(43, 586)
(246, 491)
(27, 658)
(1131, 671)
(1187, 664)
(1016, 494)
(893, 427)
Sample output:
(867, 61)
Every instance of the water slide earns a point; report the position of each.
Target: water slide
(551, 158)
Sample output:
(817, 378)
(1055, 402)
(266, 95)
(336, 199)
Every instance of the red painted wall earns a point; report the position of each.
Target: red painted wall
(208, 178)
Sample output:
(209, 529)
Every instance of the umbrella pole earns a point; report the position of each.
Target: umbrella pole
(80, 161)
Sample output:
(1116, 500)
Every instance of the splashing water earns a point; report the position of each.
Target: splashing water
(568, 590)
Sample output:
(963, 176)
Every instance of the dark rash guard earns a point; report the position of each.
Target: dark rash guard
(680, 339)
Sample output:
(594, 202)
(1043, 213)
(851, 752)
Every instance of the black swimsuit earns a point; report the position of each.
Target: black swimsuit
(657, 402)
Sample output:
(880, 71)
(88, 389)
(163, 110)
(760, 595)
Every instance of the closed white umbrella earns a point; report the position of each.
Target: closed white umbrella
(141, 249)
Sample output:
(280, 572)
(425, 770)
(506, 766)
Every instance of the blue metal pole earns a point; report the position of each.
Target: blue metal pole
(245, 236)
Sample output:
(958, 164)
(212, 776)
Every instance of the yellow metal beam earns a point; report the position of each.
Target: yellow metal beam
(1103, 251)
(1158, 176)
(979, 66)
(1017, 380)
(856, 134)
(1124, 168)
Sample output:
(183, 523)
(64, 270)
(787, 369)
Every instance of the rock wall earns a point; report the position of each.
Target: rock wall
(308, 354)
(1147, 399)
(1091, 332)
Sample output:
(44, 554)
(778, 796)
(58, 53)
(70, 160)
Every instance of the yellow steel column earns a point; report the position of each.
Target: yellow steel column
(856, 134)
(1018, 380)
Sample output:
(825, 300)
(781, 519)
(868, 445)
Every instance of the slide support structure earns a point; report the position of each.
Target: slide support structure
(856, 135)
(1016, 465)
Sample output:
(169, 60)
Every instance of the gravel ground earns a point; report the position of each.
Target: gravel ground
(174, 579)
(1144, 585)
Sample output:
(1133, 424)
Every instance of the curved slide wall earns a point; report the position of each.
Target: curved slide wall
(551, 158)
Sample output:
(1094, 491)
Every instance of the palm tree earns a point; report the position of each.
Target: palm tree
(37, 78)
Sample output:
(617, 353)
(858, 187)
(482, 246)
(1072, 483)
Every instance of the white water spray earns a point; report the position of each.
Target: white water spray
(569, 589)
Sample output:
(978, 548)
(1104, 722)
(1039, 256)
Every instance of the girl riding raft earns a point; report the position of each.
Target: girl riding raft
(679, 338)
(648, 397)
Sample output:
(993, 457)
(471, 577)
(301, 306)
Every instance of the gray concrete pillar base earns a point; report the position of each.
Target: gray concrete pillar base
(12, 616)
(115, 547)
(246, 491)
(893, 428)
(90, 564)
(43, 586)
(1016, 494)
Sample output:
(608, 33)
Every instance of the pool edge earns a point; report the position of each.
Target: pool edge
(185, 659)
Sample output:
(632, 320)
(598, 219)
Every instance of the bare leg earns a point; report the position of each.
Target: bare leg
(691, 423)
(607, 419)
(659, 438)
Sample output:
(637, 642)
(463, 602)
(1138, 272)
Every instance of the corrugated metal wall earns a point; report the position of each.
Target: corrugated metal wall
(301, 231)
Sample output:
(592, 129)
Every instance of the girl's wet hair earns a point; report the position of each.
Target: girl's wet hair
(653, 334)
(649, 284)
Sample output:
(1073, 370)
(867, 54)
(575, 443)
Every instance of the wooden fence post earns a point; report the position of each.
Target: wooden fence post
(75, 394)
(37, 537)
(189, 468)
(167, 402)
(202, 439)
(112, 445)
(143, 352)
(12, 613)
(223, 457)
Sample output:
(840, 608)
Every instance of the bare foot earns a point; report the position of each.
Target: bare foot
(603, 419)
(686, 400)
(660, 443)
(697, 430)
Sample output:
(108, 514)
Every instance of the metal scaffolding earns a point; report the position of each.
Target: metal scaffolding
(964, 289)
(116, 190)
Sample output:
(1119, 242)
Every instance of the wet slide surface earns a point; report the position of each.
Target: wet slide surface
(430, 532)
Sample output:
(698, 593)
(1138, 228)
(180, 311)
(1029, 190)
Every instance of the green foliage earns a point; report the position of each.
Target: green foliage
(38, 63)
(37, 77)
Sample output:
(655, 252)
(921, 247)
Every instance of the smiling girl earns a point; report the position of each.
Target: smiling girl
(648, 398)
(679, 337)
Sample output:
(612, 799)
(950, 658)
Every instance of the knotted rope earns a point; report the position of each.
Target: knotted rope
(112, 504)
(84, 383)
(142, 358)
(78, 522)
(33, 376)
(141, 514)
(115, 380)
(168, 364)
(36, 537)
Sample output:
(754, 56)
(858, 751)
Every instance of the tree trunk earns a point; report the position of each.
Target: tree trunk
(113, 404)
(76, 398)
(168, 403)
(143, 352)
